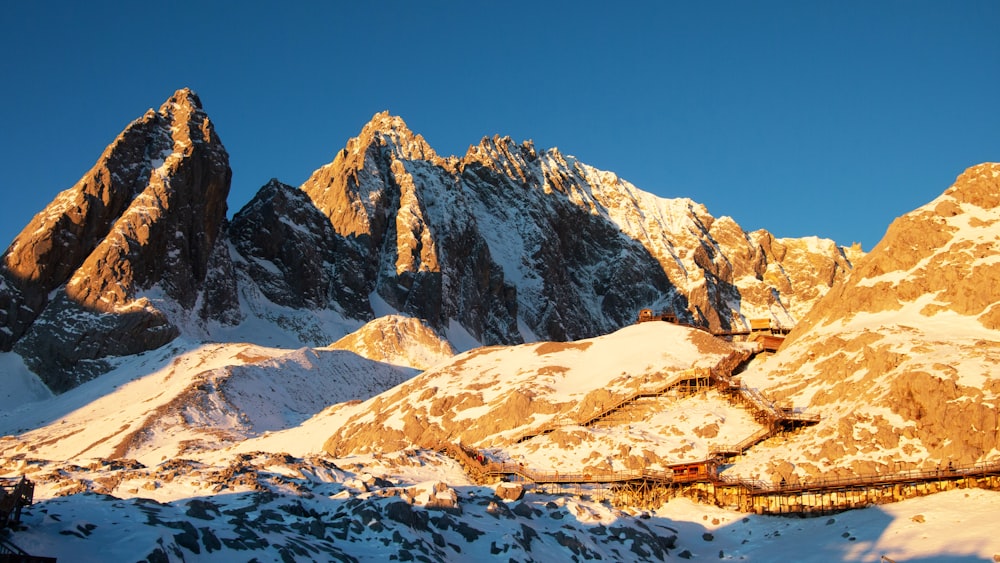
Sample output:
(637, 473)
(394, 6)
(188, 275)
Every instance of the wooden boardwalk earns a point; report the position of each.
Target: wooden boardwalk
(813, 496)
(694, 378)
(826, 484)
(676, 380)
(774, 418)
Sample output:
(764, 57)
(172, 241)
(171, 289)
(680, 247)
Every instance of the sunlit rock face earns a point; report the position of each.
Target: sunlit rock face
(514, 244)
(399, 341)
(405, 234)
(109, 266)
(903, 358)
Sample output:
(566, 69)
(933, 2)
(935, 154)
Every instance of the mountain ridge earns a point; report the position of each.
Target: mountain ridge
(907, 347)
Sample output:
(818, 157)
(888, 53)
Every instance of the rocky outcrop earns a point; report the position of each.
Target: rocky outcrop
(902, 359)
(114, 263)
(397, 340)
(289, 250)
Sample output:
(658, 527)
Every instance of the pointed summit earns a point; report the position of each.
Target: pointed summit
(941, 249)
(384, 142)
(147, 215)
(185, 97)
(390, 132)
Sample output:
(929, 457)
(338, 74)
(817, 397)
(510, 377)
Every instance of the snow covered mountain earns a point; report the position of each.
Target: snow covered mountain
(118, 262)
(209, 452)
(514, 244)
(504, 245)
(226, 426)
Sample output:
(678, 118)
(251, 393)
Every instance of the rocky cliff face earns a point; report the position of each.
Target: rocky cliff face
(289, 250)
(398, 214)
(114, 263)
(514, 244)
(902, 359)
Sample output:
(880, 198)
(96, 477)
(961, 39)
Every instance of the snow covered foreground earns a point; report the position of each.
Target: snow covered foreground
(336, 522)
(129, 467)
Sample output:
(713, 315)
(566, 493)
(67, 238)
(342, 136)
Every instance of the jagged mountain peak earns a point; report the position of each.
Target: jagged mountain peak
(499, 144)
(977, 186)
(501, 154)
(509, 243)
(188, 121)
(385, 121)
(184, 99)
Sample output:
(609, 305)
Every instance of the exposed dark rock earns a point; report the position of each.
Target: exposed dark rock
(405, 514)
(290, 252)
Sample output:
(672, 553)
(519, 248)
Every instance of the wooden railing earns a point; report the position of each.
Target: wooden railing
(543, 476)
(679, 378)
(480, 466)
(738, 449)
(14, 494)
(767, 408)
(869, 480)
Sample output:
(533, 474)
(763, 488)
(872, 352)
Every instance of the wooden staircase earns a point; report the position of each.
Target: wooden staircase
(687, 379)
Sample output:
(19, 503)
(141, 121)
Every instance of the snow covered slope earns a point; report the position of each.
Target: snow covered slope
(493, 397)
(275, 496)
(330, 521)
(398, 340)
(188, 398)
(902, 360)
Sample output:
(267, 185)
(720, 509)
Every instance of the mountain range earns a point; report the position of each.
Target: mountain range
(293, 383)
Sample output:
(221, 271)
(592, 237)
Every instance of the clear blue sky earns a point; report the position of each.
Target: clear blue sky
(804, 118)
